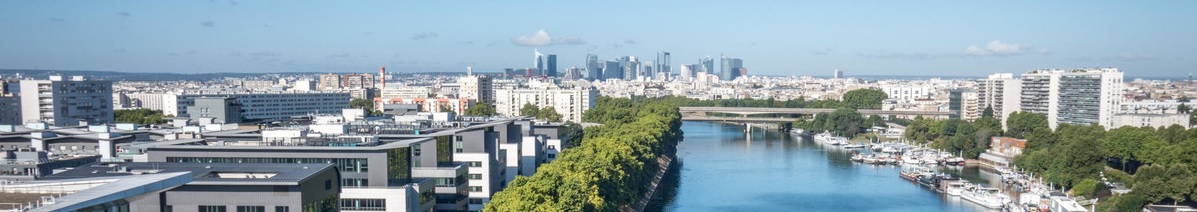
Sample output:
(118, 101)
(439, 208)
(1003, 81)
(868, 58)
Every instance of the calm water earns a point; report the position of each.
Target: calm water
(722, 169)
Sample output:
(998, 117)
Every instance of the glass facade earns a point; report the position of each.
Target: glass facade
(346, 165)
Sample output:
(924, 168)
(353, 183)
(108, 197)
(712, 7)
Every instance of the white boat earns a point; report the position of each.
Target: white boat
(853, 146)
(797, 131)
(986, 197)
(955, 188)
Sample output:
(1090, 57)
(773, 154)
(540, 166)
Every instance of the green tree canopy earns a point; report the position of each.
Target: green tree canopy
(1020, 124)
(864, 98)
(529, 110)
(139, 116)
(480, 109)
(365, 104)
(549, 113)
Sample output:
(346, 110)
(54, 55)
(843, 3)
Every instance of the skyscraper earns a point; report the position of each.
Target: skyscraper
(538, 61)
(551, 66)
(612, 70)
(730, 69)
(708, 65)
(593, 67)
(838, 74)
(661, 65)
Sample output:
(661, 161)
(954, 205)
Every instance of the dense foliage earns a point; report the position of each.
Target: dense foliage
(546, 113)
(480, 109)
(864, 98)
(612, 166)
(139, 116)
(365, 104)
(845, 122)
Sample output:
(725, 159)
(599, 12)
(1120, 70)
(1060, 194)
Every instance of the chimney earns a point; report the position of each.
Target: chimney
(382, 77)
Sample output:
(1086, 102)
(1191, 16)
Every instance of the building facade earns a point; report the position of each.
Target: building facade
(571, 103)
(1079, 96)
(66, 102)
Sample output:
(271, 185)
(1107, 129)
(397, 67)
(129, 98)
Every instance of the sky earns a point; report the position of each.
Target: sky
(924, 38)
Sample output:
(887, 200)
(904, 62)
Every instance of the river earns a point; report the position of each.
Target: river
(722, 169)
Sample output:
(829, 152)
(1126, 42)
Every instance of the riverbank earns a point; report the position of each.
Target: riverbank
(663, 164)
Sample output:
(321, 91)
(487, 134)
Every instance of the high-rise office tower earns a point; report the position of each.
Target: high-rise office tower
(550, 66)
(1079, 96)
(837, 74)
(538, 60)
(661, 65)
(66, 102)
(708, 65)
(612, 70)
(730, 69)
(593, 67)
(687, 72)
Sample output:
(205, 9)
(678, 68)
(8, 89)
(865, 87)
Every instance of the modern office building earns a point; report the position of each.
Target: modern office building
(730, 68)
(66, 102)
(266, 106)
(550, 68)
(190, 188)
(837, 74)
(612, 70)
(594, 67)
(477, 87)
(1002, 93)
(631, 67)
(662, 64)
(10, 106)
(424, 162)
(1079, 96)
(537, 62)
(688, 71)
(571, 103)
(708, 65)
(223, 110)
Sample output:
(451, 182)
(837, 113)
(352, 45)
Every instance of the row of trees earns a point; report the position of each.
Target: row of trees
(366, 105)
(545, 113)
(481, 109)
(611, 167)
(844, 121)
(140, 116)
(955, 135)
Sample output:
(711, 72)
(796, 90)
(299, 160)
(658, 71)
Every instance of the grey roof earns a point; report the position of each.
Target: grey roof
(203, 173)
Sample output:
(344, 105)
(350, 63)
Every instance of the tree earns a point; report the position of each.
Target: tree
(864, 98)
(529, 110)
(988, 112)
(1086, 188)
(364, 104)
(480, 109)
(139, 116)
(875, 121)
(549, 113)
(844, 122)
(1122, 143)
(571, 134)
(1020, 124)
(1180, 182)
(1150, 182)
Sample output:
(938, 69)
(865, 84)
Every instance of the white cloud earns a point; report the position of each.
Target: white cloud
(540, 38)
(999, 48)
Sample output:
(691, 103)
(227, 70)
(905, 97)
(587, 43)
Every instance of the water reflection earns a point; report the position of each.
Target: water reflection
(726, 169)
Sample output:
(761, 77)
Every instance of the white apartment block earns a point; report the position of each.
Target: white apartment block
(569, 102)
(1001, 92)
(1079, 96)
(908, 93)
(1150, 114)
(66, 102)
(478, 88)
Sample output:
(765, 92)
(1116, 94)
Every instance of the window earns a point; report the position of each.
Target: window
(475, 176)
(474, 164)
(282, 209)
(212, 208)
(475, 201)
(242, 208)
(475, 188)
(327, 185)
(363, 204)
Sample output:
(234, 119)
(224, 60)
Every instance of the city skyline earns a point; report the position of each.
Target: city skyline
(790, 38)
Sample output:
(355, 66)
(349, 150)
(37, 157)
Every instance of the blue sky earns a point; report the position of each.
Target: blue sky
(1144, 38)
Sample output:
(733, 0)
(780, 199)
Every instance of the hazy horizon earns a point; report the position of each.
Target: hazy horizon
(1146, 39)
